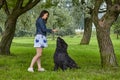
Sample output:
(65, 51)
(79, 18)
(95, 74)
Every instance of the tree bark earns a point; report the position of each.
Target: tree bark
(117, 34)
(87, 32)
(8, 35)
(107, 53)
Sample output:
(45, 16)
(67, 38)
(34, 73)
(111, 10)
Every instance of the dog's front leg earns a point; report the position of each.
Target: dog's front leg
(64, 67)
(55, 67)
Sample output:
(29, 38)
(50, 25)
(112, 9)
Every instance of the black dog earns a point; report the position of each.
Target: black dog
(61, 57)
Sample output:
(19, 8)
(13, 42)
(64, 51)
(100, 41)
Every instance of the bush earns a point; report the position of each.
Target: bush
(23, 33)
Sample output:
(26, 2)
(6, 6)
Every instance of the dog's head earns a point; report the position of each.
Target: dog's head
(61, 44)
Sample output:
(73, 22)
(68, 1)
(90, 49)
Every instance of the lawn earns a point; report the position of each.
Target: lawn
(14, 67)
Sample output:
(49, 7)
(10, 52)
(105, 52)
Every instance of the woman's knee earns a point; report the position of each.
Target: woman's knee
(38, 55)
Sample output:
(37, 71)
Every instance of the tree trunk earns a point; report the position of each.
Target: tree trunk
(87, 32)
(8, 35)
(117, 34)
(108, 58)
(53, 33)
(103, 25)
(53, 36)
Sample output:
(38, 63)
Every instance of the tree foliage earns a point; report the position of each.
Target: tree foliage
(59, 18)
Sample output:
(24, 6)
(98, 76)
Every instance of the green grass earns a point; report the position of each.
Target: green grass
(14, 67)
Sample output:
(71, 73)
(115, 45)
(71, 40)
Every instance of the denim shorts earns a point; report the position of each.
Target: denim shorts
(40, 41)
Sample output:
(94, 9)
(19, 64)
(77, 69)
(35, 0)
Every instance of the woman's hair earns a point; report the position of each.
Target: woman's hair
(42, 14)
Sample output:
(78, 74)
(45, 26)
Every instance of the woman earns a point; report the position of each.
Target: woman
(40, 40)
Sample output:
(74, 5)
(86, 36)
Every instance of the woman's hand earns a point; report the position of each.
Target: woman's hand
(54, 30)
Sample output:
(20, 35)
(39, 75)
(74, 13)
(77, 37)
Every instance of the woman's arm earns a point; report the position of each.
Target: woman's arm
(43, 26)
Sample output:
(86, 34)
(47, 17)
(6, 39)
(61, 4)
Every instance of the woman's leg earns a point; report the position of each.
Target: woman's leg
(39, 63)
(36, 58)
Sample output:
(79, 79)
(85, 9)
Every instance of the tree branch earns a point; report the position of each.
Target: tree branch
(109, 3)
(29, 5)
(6, 8)
(96, 9)
(117, 1)
(83, 2)
(75, 2)
(19, 4)
(29, 2)
(1, 3)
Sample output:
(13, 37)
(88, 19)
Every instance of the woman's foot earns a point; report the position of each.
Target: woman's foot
(41, 69)
(30, 70)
